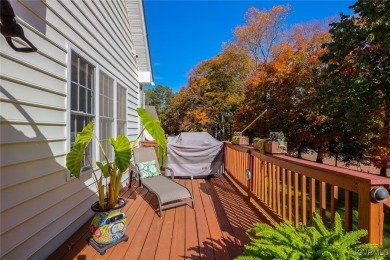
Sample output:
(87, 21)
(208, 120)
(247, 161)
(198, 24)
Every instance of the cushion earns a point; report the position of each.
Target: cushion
(148, 169)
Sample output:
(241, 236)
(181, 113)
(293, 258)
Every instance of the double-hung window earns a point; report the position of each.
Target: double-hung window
(82, 82)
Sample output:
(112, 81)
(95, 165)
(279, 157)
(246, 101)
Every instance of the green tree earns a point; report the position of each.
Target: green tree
(355, 99)
(162, 98)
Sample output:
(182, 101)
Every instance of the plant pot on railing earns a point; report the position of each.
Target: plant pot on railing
(276, 143)
(240, 140)
(109, 225)
(259, 144)
(275, 147)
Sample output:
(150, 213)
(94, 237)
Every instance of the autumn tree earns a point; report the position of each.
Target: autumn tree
(356, 98)
(261, 32)
(214, 93)
(286, 88)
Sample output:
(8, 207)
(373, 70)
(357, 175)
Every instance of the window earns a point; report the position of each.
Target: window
(82, 83)
(94, 94)
(106, 113)
(121, 110)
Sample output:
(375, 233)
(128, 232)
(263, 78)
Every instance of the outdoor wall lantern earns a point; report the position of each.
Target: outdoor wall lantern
(379, 194)
(9, 28)
(248, 174)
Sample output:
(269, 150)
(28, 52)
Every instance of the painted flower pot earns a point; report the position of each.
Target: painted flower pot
(108, 226)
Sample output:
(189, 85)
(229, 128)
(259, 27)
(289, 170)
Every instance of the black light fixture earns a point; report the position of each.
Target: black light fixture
(10, 28)
(379, 194)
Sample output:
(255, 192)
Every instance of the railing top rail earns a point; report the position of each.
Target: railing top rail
(342, 177)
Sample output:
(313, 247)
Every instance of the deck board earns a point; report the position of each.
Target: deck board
(214, 230)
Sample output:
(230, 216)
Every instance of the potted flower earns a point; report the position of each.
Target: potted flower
(240, 140)
(259, 143)
(109, 223)
(276, 143)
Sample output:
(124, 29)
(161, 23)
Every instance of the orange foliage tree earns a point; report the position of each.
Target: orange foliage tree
(286, 87)
(214, 93)
(261, 33)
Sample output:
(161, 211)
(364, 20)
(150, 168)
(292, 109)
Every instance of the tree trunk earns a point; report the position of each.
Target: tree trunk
(319, 158)
(383, 171)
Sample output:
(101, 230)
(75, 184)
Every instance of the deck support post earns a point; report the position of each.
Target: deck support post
(371, 216)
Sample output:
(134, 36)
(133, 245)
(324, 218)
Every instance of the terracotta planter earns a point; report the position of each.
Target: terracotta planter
(108, 226)
(241, 141)
(274, 147)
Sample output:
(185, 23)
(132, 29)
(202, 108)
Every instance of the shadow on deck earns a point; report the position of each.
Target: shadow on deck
(214, 230)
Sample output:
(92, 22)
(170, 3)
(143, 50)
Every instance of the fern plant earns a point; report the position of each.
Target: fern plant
(284, 241)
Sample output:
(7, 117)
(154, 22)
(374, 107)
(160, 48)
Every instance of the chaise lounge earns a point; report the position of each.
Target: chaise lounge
(168, 192)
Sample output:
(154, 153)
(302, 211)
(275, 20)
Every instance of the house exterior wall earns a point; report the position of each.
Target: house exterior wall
(40, 205)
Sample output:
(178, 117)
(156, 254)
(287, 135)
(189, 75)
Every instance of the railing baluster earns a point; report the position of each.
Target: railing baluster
(277, 168)
(348, 211)
(296, 199)
(263, 184)
(270, 186)
(289, 184)
(334, 202)
(303, 196)
(312, 196)
(274, 185)
(322, 199)
(284, 206)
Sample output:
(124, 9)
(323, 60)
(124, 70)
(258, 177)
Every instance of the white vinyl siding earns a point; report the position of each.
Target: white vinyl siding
(40, 208)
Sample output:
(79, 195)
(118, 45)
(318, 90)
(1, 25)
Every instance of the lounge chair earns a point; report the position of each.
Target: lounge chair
(168, 192)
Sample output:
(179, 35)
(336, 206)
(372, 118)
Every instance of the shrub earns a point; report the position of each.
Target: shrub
(284, 241)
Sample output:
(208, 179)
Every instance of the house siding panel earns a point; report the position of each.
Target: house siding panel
(40, 208)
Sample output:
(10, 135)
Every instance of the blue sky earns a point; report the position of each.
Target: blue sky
(184, 33)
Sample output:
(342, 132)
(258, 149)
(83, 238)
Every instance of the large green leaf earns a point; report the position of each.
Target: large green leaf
(122, 152)
(153, 126)
(84, 137)
(105, 168)
(74, 159)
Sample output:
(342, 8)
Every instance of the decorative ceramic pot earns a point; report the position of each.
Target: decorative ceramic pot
(108, 226)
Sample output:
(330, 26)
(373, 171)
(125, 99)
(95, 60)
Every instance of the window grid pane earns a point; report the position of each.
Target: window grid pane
(106, 104)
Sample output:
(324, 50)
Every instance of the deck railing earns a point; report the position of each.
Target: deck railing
(293, 189)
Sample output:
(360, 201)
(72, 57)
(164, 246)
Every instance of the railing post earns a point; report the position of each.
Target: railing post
(371, 216)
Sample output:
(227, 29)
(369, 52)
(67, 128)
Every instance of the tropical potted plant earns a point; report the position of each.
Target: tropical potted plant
(258, 144)
(109, 223)
(276, 143)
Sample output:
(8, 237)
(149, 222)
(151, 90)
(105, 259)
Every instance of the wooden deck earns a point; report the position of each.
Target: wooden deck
(214, 230)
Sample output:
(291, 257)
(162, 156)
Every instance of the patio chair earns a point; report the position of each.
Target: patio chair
(168, 192)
